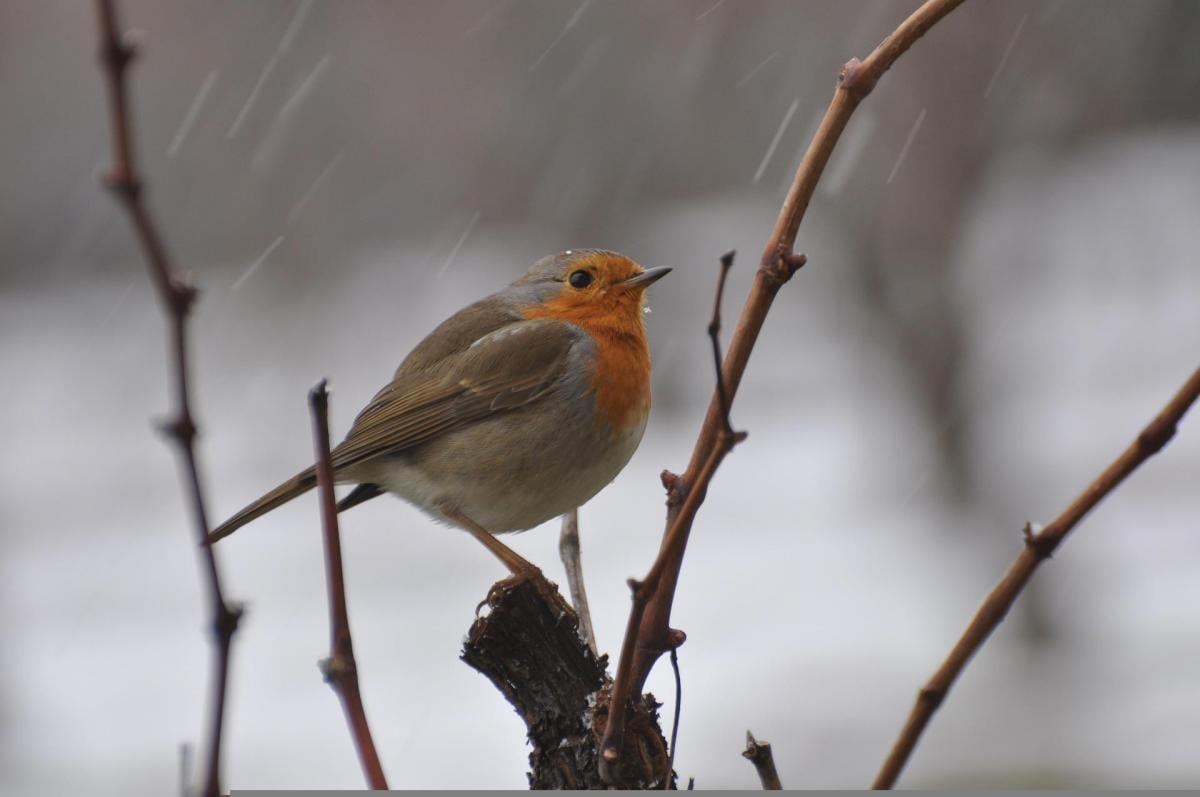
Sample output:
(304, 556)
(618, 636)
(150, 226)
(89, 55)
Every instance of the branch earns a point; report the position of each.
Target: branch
(759, 754)
(714, 335)
(176, 298)
(1038, 547)
(568, 551)
(339, 669)
(648, 634)
(528, 644)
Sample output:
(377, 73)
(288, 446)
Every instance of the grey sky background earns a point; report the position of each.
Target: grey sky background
(1002, 289)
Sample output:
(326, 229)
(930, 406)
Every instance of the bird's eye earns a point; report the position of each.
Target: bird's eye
(580, 279)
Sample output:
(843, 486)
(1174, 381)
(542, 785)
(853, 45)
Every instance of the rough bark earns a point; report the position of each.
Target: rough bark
(527, 642)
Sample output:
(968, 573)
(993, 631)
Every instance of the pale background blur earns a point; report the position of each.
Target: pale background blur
(1002, 289)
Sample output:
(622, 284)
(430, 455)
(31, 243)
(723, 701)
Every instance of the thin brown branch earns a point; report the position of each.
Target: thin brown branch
(759, 754)
(1038, 547)
(569, 551)
(678, 708)
(339, 669)
(176, 298)
(714, 335)
(648, 634)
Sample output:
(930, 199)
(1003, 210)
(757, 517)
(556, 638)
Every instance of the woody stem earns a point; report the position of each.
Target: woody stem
(340, 669)
(648, 634)
(1037, 549)
(176, 298)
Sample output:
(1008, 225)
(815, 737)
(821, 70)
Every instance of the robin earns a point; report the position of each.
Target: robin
(515, 410)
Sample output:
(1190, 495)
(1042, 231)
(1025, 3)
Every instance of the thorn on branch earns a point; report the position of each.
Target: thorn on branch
(335, 668)
(674, 485)
(931, 697)
(780, 264)
(124, 185)
(850, 76)
(183, 295)
(118, 51)
(1155, 436)
(226, 623)
(1037, 542)
(180, 429)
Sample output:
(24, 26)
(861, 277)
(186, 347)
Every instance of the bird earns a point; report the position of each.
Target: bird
(516, 409)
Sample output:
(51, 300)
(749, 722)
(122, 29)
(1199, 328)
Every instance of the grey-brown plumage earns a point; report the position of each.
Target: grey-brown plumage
(493, 415)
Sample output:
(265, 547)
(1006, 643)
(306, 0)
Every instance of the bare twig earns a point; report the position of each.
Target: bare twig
(568, 550)
(176, 298)
(678, 708)
(648, 634)
(714, 335)
(339, 669)
(759, 754)
(1038, 547)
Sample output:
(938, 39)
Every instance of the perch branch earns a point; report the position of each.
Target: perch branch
(176, 298)
(759, 754)
(528, 644)
(339, 669)
(568, 550)
(648, 634)
(1038, 547)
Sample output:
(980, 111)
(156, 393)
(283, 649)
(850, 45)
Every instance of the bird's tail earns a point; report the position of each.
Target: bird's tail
(292, 488)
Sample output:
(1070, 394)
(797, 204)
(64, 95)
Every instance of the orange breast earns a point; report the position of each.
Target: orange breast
(621, 378)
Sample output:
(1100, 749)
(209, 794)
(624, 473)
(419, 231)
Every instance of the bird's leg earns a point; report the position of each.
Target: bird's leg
(568, 549)
(519, 565)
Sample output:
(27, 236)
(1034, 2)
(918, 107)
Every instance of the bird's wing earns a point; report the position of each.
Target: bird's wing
(504, 369)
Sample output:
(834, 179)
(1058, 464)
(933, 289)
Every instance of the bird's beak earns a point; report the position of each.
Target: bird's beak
(644, 278)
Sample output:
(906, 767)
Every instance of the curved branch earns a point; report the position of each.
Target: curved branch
(177, 298)
(648, 634)
(1038, 547)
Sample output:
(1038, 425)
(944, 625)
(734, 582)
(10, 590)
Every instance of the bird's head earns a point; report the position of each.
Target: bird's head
(588, 286)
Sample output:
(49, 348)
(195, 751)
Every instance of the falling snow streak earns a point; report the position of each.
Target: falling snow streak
(254, 266)
(787, 118)
(912, 135)
(750, 75)
(304, 88)
(293, 28)
(242, 114)
(849, 150)
(484, 19)
(312, 189)
(193, 111)
(711, 9)
(461, 240)
(570, 24)
(1004, 58)
(786, 176)
(278, 125)
(285, 42)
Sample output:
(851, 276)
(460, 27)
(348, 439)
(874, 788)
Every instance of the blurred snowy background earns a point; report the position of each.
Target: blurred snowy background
(1002, 289)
